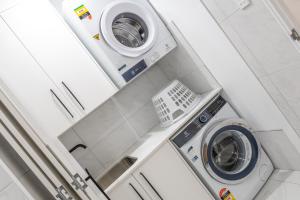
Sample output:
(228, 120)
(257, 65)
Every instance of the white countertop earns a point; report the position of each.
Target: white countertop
(159, 136)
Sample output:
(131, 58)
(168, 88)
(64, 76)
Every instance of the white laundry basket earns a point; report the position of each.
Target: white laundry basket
(174, 102)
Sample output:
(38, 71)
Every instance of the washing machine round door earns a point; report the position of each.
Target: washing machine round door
(230, 151)
(129, 27)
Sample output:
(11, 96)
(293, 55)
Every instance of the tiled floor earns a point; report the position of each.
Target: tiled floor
(282, 185)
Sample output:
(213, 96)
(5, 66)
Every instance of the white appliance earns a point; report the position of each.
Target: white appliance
(126, 37)
(224, 153)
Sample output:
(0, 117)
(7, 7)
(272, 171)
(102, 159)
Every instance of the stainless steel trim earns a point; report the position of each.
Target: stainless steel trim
(208, 132)
(60, 101)
(153, 188)
(141, 197)
(63, 194)
(73, 95)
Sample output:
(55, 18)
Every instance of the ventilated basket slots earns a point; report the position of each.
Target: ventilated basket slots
(174, 101)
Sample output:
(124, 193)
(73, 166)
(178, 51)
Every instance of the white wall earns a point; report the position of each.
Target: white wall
(241, 86)
(267, 50)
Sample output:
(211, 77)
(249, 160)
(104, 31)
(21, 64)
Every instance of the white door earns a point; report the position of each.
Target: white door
(60, 54)
(33, 93)
(288, 15)
(166, 176)
(130, 189)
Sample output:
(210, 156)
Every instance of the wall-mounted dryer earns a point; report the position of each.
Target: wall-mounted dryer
(126, 37)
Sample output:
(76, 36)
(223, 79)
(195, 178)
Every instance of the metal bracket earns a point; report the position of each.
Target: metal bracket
(63, 194)
(295, 35)
(79, 182)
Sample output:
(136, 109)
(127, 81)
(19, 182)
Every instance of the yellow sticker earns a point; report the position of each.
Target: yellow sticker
(97, 36)
(225, 194)
(82, 12)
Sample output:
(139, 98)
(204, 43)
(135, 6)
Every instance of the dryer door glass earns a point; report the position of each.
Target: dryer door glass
(130, 30)
(232, 153)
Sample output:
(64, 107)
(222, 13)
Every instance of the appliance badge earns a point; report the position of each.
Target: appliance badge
(82, 12)
(225, 194)
(97, 36)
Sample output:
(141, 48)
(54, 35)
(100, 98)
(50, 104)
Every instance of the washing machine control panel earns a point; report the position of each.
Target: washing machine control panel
(195, 125)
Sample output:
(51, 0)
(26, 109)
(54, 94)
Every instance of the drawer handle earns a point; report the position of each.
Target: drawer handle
(141, 197)
(153, 188)
(73, 95)
(63, 105)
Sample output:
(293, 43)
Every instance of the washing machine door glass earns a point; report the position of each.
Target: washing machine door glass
(231, 153)
(129, 27)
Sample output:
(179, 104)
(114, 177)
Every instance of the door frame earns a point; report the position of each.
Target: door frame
(284, 21)
(54, 154)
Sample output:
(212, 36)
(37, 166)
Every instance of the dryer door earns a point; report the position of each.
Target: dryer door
(129, 27)
(230, 151)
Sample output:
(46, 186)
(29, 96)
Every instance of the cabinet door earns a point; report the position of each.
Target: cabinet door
(60, 54)
(130, 189)
(166, 176)
(32, 92)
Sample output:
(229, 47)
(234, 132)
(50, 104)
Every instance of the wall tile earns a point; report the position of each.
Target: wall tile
(176, 66)
(280, 150)
(273, 190)
(245, 52)
(157, 77)
(281, 102)
(287, 81)
(135, 95)
(221, 9)
(115, 144)
(71, 139)
(90, 161)
(181, 66)
(99, 123)
(196, 84)
(144, 119)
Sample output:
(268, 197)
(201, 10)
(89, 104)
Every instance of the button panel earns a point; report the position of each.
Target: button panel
(198, 122)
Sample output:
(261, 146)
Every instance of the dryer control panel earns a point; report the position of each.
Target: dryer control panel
(195, 125)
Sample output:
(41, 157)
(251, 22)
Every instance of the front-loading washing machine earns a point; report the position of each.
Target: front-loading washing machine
(223, 151)
(126, 37)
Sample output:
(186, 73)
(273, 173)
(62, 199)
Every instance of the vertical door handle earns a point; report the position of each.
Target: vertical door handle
(60, 101)
(73, 95)
(137, 192)
(153, 188)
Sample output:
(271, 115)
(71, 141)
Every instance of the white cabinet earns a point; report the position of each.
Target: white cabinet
(60, 54)
(130, 189)
(164, 175)
(24, 82)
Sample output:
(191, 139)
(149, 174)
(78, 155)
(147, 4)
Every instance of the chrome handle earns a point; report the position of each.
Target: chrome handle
(141, 197)
(73, 95)
(153, 188)
(63, 105)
